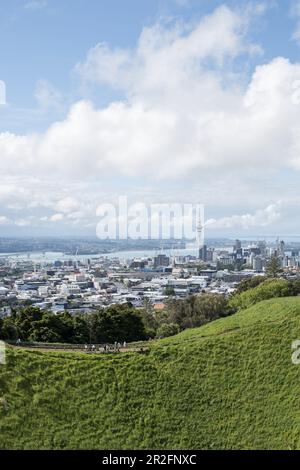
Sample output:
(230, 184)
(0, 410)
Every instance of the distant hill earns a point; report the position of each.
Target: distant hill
(228, 385)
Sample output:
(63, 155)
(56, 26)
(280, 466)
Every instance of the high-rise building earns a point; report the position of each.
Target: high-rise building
(237, 245)
(161, 260)
(257, 263)
(262, 247)
(209, 254)
(203, 253)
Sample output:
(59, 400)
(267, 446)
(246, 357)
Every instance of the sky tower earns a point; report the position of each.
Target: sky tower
(202, 248)
(200, 229)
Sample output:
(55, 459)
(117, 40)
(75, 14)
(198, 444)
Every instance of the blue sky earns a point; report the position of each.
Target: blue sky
(44, 39)
(141, 93)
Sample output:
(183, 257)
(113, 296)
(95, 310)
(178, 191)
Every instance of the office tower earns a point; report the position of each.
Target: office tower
(237, 245)
(203, 253)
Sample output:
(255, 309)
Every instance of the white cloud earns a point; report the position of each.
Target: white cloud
(4, 220)
(56, 217)
(23, 222)
(179, 117)
(261, 218)
(67, 204)
(169, 56)
(203, 127)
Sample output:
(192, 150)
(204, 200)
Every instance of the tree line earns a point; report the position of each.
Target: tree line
(116, 323)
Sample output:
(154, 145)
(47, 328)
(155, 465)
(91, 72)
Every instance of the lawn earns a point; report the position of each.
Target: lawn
(228, 385)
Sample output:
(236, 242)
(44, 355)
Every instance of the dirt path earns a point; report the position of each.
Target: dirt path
(70, 350)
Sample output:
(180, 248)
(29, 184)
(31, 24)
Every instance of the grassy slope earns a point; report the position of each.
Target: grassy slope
(229, 384)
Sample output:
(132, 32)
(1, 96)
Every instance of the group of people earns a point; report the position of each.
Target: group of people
(106, 348)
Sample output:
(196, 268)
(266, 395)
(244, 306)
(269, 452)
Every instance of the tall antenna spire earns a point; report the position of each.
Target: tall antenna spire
(199, 232)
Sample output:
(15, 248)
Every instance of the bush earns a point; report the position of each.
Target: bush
(167, 329)
(197, 310)
(294, 287)
(269, 289)
(250, 283)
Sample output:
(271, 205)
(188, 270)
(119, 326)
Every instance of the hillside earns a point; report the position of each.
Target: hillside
(228, 385)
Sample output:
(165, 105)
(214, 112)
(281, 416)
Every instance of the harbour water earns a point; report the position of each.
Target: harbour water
(50, 256)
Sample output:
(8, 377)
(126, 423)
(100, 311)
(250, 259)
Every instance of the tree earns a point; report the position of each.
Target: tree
(148, 315)
(91, 322)
(269, 289)
(208, 307)
(294, 286)
(45, 334)
(81, 332)
(169, 291)
(8, 330)
(53, 328)
(197, 310)
(273, 268)
(247, 284)
(65, 326)
(167, 329)
(118, 323)
(25, 320)
(32, 324)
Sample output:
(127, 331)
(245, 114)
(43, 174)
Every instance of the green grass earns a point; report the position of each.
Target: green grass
(228, 385)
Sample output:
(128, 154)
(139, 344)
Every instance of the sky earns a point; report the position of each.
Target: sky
(162, 101)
